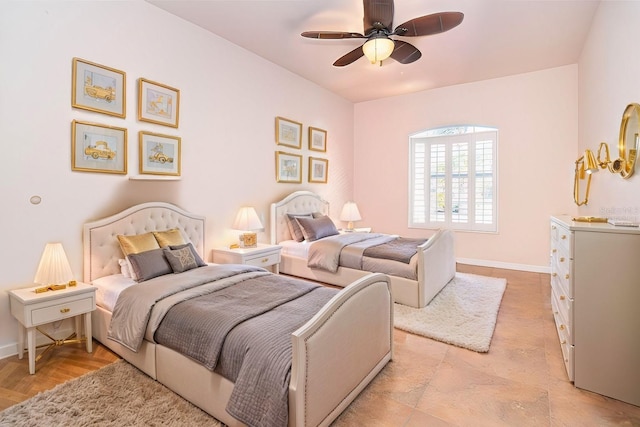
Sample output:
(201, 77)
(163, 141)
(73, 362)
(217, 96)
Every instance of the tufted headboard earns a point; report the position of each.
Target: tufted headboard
(299, 202)
(101, 248)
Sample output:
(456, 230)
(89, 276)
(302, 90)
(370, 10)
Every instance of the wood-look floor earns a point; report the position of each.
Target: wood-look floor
(520, 381)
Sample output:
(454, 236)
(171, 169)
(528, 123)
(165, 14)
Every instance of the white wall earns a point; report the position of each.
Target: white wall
(537, 118)
(609, 81)
(229, 101)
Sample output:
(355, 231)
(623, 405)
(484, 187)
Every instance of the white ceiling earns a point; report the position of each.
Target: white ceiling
(496, 38)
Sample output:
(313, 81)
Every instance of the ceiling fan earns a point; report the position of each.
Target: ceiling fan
(378, 21)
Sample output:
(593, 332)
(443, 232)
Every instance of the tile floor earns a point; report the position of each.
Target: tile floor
(521, 381)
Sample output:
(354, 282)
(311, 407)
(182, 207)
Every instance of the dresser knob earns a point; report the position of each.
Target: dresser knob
(554, 251)
(553, 227)
(563, 237)
(563, 342)
(554, 274)
(566, 276)
(65, 310)
(562, 327)
(561, 259)
(562, 297)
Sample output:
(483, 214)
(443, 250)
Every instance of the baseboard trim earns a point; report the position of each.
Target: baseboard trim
(506, 265)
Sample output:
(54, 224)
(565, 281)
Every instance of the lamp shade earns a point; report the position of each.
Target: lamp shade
(54, 268)
(350, 212)
(378, 48)
(247, 220)
(590, 164)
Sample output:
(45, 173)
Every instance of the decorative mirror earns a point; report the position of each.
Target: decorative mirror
(628, 142)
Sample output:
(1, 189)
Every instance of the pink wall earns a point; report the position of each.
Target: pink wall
(609, 81)
(537, 118)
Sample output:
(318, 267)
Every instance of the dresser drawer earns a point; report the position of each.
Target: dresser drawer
(264, 260)
(563, 312)
(563, 328)
(61, 311)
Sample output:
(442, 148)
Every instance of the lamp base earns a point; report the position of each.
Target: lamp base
(249, 240)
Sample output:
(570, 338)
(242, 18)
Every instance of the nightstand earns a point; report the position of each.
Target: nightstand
(34, 309)
(261, 256)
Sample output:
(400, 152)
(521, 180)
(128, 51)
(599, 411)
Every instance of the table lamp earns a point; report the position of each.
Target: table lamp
(54, 271)
(247, 220)
(350, 213)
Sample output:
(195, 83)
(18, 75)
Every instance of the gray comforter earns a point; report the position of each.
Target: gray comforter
(240, 326)
(327, 253)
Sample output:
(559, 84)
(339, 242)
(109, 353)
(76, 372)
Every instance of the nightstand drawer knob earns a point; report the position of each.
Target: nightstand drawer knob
(65, 310)
(265, 259)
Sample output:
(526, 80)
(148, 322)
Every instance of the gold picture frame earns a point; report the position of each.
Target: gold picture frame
(317, 139)
(288, 167)
(288, 132)
(318, 170)
(98, 148)
(98, 88)
(158, 103)
(159, 154)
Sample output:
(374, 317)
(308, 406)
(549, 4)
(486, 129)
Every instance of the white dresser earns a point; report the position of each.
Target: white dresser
(595, 298)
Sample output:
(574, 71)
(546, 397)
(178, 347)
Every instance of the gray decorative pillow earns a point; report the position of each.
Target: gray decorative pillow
(317, 228)
(294, 227)
(189, 245)
(181, 259)
(149, 264)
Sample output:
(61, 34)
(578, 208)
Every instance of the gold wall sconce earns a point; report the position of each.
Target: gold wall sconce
(585, 167)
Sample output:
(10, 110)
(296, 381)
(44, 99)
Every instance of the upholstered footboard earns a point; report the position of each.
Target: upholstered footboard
(436, 266)
(338, 352)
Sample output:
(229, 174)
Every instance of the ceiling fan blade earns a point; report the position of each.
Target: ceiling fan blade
(331, 35)
(350, 57)
(429, 24)
(405, 53)
(377, 11)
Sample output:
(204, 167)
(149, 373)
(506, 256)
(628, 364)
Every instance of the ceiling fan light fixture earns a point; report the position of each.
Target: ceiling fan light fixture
(378, 48)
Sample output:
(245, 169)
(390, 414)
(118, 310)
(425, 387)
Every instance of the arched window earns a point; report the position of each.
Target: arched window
(453, 178)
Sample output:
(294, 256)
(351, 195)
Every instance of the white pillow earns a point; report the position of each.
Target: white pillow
(125, 268)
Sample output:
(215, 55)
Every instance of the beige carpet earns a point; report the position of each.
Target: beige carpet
(116, 395)
(464, 313)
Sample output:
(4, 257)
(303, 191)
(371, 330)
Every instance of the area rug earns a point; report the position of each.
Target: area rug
(116, 395)
(464, 313)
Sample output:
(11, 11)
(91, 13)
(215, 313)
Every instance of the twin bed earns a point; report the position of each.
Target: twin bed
(414, 283)
(334, 351)
(330, 342)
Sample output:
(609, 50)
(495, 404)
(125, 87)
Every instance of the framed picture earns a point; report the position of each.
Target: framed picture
(98, 88)
(288, 133)
(288, 167)
(98, 148)
(158, 103)
(159, 154)
(317, 139)
(318, 169)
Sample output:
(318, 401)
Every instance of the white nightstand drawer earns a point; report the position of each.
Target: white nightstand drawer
(61, 311)
(265, 260)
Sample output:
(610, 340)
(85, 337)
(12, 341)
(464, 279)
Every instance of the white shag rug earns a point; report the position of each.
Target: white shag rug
(464, 313)
(114, 396)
